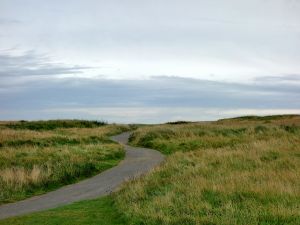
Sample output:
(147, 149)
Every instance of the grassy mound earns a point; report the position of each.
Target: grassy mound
(35, 161)
(229, 172)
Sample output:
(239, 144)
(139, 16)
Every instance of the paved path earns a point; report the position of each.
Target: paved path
(137, 161)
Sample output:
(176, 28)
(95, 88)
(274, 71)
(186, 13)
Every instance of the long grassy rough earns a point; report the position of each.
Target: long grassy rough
(241, 171)
(35, 161)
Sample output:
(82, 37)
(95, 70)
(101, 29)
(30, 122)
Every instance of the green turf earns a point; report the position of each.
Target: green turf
(99, 211)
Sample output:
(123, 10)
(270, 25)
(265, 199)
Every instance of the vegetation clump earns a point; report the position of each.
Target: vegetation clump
(179, 122)
(54, 124)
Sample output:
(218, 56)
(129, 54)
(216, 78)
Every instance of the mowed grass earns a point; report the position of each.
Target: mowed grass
(240, 171)
(36, 157)
(92, 212)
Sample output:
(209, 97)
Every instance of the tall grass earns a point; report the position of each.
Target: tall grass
(227, 172)
(35, 161)
(53, 124)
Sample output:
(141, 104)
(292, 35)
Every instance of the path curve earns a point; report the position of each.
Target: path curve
(137, 162)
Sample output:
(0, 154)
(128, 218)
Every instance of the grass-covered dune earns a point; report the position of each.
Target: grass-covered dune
(234, 171)
(239, 171)
(39, 156)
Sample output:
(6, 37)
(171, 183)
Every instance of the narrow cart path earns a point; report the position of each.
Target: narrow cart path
(137, 162)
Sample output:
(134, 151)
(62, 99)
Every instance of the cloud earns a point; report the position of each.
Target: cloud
(254, 42)
(6, 21)
(32, 64)
(281, 79)
(182, 98)
(34, 85)
(232, 39)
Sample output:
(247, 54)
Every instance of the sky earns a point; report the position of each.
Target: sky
(139, 61)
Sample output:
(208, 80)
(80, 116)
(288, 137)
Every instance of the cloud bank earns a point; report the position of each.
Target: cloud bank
(34, 87)
(229, 40)
(148, 61)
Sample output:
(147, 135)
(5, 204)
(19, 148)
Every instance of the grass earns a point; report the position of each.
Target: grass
(225, 172)
(36, 161)
(54, 124)
(239, 171)
(99, 211)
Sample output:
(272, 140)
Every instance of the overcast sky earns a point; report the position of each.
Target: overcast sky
(148, 61)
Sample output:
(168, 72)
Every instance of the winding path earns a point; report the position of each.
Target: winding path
(137, 161)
